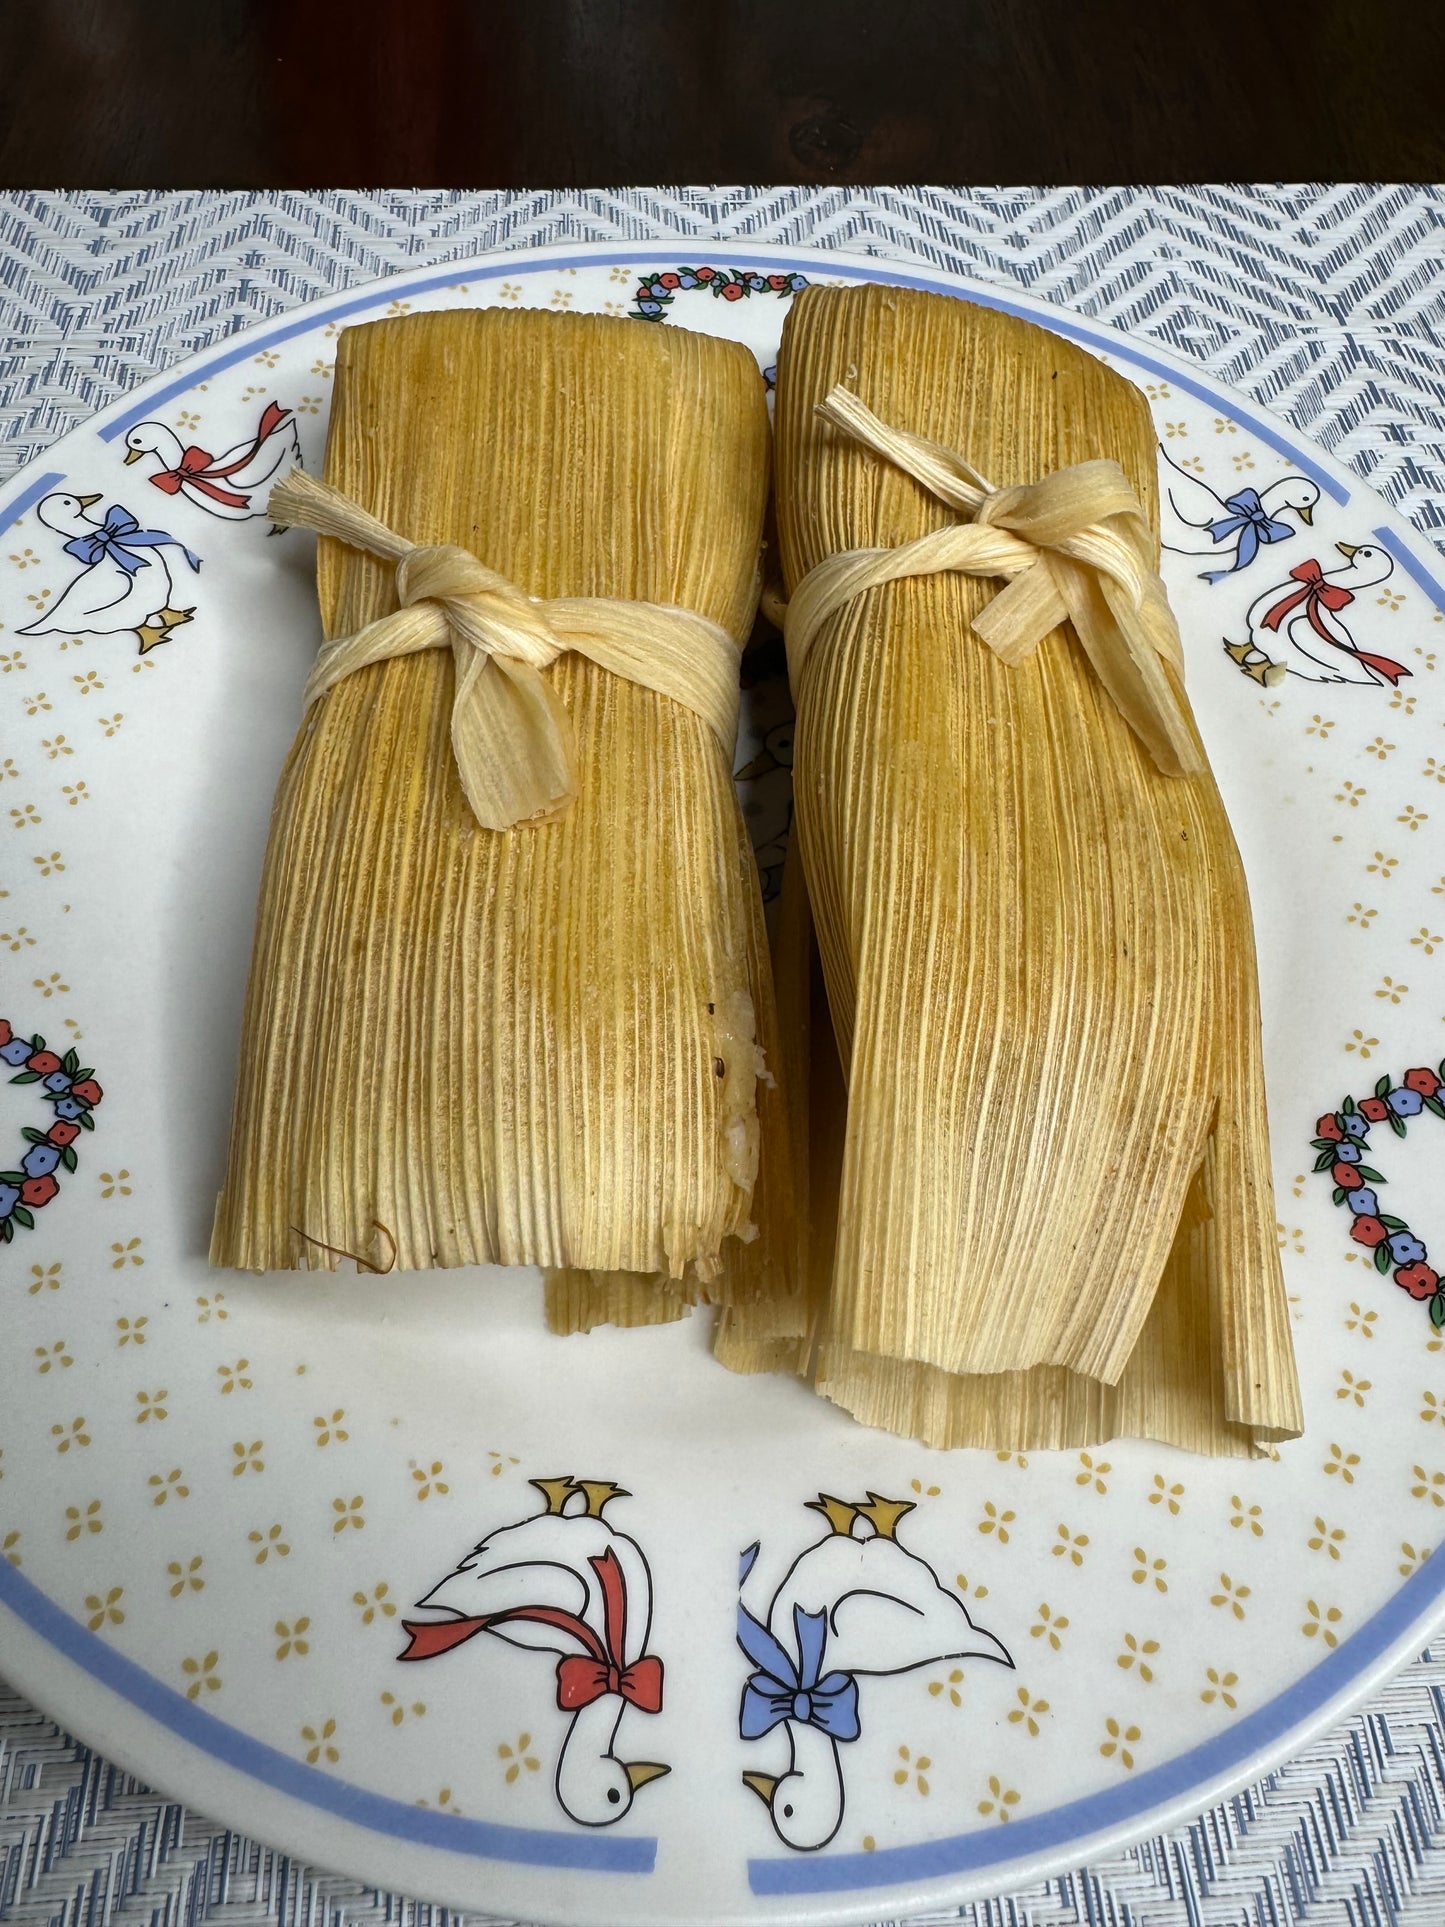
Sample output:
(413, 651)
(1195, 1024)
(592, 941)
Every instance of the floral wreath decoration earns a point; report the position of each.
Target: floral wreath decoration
(1342, 1139)
(73, 1094)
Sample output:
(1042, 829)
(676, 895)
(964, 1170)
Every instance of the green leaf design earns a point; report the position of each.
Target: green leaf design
(1382, 1259)
(1437, 1310)
(86, 1121)
(1349, 1105)
(1394, 1224)
(23, 1216)
(32, 1136)
(1324, 1143)
(1324, 1160)
(7, 1230)
(1370, 1176)
(68, 1158)
(1382, 1087)
(1397, 1125)
(69, 1061)
(80, 1076)
(12, 1177)
(1340, 1194)
(37, 1042)
(26, 1077)
(1434, 1104)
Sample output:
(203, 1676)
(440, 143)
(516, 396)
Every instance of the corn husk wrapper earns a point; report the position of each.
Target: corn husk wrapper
(1054, 1216)
(540, 1045)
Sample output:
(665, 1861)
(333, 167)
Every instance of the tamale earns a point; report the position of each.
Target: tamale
(538, 1045)
(1054, 1216)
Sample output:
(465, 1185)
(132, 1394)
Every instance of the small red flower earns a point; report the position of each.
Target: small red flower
(668, 280)
(1419, 1280)
(777, 281)
(42, 1062)
(1329, 1126)
(38, 1191)
(5, 1031)
(1368, 1231)
(733, 291)
(87, 1090)
(706, 274)
(62, 1133)
(1375, 1109)
(1423, 1081)
(1348, 1178)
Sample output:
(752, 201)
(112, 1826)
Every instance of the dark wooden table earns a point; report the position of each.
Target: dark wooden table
(558, 93)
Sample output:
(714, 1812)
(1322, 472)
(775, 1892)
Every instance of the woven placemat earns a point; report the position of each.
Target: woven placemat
(1325, 303)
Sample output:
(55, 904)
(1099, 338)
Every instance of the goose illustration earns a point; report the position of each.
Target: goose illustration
(125, 582)
(1304, 612)
(224, 485)
(1236, 525)
(564, 1581)
(851, 1605)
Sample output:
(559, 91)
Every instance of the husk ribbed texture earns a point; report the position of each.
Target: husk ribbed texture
(528, 1046)
(1054, 1212)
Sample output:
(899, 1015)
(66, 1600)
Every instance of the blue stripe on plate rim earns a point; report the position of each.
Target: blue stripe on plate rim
(1211, 1764)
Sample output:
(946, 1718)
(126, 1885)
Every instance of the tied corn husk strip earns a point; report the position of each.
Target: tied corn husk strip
(1074, 547)
(1054, 1213)
(511, 736)
(538, 1045)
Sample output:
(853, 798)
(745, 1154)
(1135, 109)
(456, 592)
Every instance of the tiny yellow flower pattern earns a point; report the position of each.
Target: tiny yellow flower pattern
(131, 1332)
(1352, 1388)
(115, 1184)
(1432, 1410)
(1362, 1322)
(267, 1543)
(185, 1577)
(517, 1758)
(1428, 1485)
(321, 1743)
(1028, 1712)
(1072, 1546)
(1231, 1594)
(968, 1591)
(329, 1429)
(292, 1636)
(1327, 1539)
(376, 1604)
(168, 1485)
(44, 1278)
(207, 1308)
(53, 1357)
(1414, 1558)
(348, 1512)
(152, 1406)
(1147, 1571)
(937, 1688)
(203, 1674)
(1119, 1741)
(66, 1436)
(1322, 1623)
(1221, 1687)
(1137, 1655)
(912, 1770)
(1050, 1626)
(247, 1457)
(234, 1377)
(1166, 1494)
(104, 1609)
(79, 1523)
(1342, 1463)
(126, 1254)
(915, 1485)
(1001, 1799)
(1093, 1473)
(995, 1521)
(427, 1480)
(500, 1463)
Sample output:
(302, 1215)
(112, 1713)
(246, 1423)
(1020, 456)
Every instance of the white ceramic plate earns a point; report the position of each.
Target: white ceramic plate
(221, 1495)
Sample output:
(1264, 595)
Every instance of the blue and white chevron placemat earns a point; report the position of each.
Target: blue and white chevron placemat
(1325, 303)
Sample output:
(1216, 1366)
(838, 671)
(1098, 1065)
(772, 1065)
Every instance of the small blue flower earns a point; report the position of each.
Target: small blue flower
(16, 1051)
(1405, 1103)
(756, 282)
(1354, 1124)
(1363, 1202)
(687, 280)
(649, 308)
(40, 1160)
(796, 281)
(57, 1082)
(1406, 1248)
(658, 289)
(9, 1198)
(1348, 1154)
(70, 1108)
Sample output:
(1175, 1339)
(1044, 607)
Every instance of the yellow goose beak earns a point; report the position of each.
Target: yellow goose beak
(132, 455)
(765, 1785)
(639, 1772)
(1349, 550)
(1306, 515)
